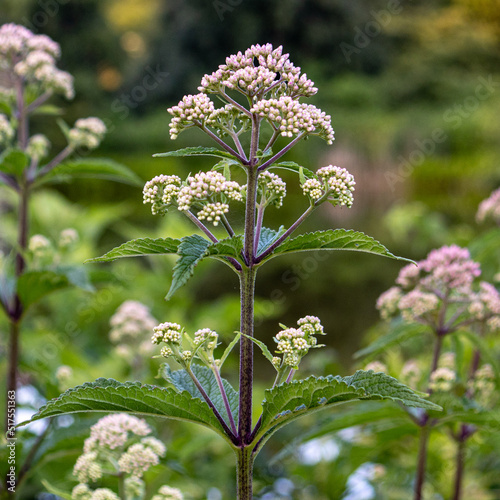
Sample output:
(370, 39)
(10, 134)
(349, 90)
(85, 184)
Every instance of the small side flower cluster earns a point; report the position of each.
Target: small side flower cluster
(445, 279)
(334, 183)
(294, 343)
(490, 208)
(33, 59)
(191, 111)
(118, 444)
(130, 325)
(442, 379)
(38, 147)
(44, 253)
(87, 132)
(210, 191)
(272, 189)
(202, 346)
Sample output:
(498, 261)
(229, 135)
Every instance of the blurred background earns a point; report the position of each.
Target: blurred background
(413, 89)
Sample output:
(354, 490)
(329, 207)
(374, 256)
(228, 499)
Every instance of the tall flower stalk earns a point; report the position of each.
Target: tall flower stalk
(261, 92)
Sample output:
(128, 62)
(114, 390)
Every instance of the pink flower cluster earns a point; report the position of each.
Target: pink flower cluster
(257, 71)
(490, 208)
(33, 59)
(441, 292)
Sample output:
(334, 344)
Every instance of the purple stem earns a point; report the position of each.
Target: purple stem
(278, 155)
(215, 369)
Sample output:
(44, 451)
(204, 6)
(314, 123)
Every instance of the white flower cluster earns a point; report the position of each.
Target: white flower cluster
(161, 191)
(68, 237)
(205, 187)
(118, 444)
(6, 130)
(83, 492)
(38, 147)
(388, 302)
(338, 183)
(485, 305)
(272, 189)
(170, 333)
(191, 110)
(482, 385)
(417, 304)
(292, 118)
(130, 326)
(442, 379)
(38, 244)
(258, 70)
(411, 373)
(294, 343)
(207, 337)
(212, 212)
(168, 493)
(33, 58)
(87, 132)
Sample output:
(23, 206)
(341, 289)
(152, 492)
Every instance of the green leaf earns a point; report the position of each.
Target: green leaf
(183, 382)
(287, 402)
(196, 151)
(139, 247)
(77, 276)
(229, 348)
(294, 167)
(64, 128)
(228, 247)
(401, 333)
(108, 395)
(268, 237)
(33, 285)
(13, 162)
(93, 168)
(263, 347)
(191, 250)
(334, 239)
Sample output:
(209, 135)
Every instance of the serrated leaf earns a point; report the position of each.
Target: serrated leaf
(399, 334)
(294, 167)
(268, 237)
(108, 395)
(93, 168)
(33, 285)
(196, 151)
(334, 239)
(140, 247)
(183, 382)
(287, 402)
(191, 250)
(14, 162)
(263, 347)
(228, 247)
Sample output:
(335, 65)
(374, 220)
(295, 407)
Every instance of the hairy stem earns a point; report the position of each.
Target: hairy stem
(258, 229)
(244, 473)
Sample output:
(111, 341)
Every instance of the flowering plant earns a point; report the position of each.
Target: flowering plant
(261, 91)
(445, 297)
(35, 266)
